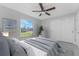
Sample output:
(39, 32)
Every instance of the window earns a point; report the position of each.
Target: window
(8, 26)
(26, 28)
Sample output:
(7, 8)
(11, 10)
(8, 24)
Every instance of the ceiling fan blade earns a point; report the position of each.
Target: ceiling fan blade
(40, 14)
(36, 11)
(41, 6)
(47, 13)
(50, 9)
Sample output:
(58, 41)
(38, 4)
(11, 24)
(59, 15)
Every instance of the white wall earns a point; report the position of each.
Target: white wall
(61, 28)
(77, 27)
(9, 13)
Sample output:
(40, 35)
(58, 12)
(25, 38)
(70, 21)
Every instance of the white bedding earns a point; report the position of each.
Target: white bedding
(32, 51)
(66, 49)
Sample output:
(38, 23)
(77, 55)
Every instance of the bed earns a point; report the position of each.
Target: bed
(38, 46)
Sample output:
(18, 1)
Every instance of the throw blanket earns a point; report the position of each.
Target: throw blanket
(46, 46)
(54, 48)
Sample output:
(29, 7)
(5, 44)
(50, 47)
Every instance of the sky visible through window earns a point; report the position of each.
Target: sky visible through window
(26, 23)
(26, 28)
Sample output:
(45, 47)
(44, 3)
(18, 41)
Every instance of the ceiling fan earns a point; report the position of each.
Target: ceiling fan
(43, 10)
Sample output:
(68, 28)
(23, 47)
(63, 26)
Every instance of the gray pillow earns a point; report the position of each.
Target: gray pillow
(16, 49)
(4, 47)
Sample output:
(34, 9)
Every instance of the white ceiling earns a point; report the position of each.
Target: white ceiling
(27, 8)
